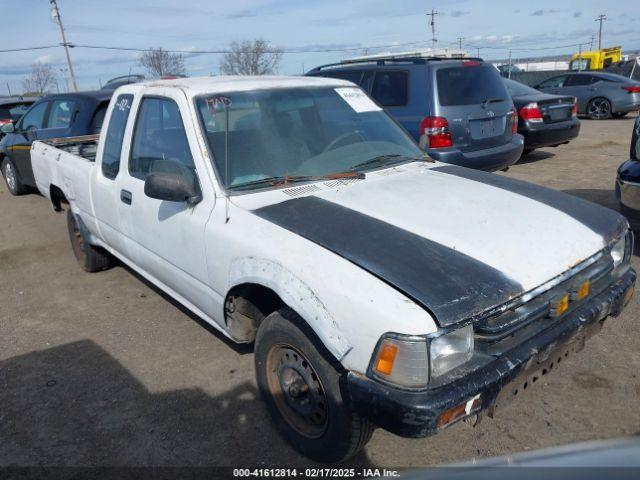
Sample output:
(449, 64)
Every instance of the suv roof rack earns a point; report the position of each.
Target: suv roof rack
(390, 59)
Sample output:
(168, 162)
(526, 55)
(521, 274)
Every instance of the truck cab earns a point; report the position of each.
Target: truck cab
(596, 59)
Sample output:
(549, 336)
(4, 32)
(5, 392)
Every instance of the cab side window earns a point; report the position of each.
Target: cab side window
(61, 115)
(159, 139)
(554, 82)
(34, 119)
(115, 136)
(579, 80)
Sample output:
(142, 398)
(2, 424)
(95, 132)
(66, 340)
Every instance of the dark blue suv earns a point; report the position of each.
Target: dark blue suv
(457, 109)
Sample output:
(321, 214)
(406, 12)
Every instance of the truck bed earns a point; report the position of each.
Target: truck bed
(85, 146)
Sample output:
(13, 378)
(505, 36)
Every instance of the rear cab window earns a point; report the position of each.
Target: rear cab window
(469, 85)
(115, 136)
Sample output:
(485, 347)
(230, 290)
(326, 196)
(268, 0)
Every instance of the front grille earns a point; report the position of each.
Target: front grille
(501, 325)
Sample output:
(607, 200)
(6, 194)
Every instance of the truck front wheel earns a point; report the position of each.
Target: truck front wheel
(305, 392)
(91, 258)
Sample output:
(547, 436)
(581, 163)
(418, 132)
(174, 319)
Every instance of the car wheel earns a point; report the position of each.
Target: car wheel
(305, 390)
(599, 109)
(619, 114)
(12, 178)
(92, 259)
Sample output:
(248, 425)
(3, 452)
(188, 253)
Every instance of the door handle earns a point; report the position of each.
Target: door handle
(125, 196)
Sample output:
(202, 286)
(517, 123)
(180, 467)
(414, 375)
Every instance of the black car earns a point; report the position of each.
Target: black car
(12, 108)
(54, 116)
(628, 181)
(544, 120)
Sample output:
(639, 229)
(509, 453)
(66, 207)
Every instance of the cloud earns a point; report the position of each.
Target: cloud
(577, 14)
(540, 13)
(459, 13)
(240, 14)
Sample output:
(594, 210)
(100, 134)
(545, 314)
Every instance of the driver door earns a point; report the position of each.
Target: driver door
(19, 143)
(167, 238)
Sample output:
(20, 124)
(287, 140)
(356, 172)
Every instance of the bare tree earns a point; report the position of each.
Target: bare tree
(41, 79)
(255, 57)
(159, 62)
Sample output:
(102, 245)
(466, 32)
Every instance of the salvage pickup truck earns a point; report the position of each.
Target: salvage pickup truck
(380, 288)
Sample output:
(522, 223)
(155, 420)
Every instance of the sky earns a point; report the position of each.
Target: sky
(297, 26)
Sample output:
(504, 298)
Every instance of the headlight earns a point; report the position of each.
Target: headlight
(451, 350)
(620, 250)
(410, 361)
(402, 360)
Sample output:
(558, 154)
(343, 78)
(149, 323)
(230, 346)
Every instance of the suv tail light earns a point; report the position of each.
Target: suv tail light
(531, 113)
(514, 120)
(574, 109)
(437, 131)
(4, 121)
(632, 89)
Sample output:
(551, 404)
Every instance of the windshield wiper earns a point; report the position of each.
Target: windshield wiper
(284, 180)
(389, 159)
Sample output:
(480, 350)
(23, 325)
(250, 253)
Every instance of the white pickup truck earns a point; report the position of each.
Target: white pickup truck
(381, 289)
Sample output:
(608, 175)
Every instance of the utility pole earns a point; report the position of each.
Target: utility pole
(460, 39)
(432, 23)
(55, 16)
(478, 52)
(600, 18)
(579, 57)
(509, 71)
(9, 88)
(591, 46)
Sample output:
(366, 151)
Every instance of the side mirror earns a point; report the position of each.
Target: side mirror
(8, 128)
(172, 187)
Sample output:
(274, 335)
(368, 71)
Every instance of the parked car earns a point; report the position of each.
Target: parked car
(544, 120)
(458, 110)
(628, 180)
(54, 116)
(505, 69)
(12, 108)
(600, 95)
(380, 288)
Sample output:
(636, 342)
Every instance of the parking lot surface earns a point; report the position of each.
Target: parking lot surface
(103, 370)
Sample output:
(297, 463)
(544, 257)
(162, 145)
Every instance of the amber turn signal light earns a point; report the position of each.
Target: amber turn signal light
(559, 306)
(386, 357)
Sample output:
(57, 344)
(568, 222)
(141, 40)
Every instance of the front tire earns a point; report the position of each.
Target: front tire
(92, 259)
(12, 178)
(305, 390)
(599, 109)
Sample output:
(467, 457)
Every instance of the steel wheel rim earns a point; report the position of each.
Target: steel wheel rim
(77, 242)
(10, 176)
(599, 108)
(297, 391)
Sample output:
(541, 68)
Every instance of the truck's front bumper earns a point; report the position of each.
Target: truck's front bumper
(418, 414)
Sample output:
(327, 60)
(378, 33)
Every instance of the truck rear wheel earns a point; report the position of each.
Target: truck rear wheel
(305, 392)
(91, 258)
(11, 176)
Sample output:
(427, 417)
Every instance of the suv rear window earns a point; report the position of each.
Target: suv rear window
(469, 85)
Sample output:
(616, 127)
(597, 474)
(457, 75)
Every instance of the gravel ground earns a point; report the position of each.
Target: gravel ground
(102, 369)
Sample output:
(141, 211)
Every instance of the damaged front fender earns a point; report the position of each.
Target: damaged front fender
(296, 294)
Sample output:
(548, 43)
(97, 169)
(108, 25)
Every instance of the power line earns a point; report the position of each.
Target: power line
(24, 49)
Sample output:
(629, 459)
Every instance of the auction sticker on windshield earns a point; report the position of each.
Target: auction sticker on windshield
(357, 100)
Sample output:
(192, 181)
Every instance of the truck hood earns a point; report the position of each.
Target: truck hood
(454, 240)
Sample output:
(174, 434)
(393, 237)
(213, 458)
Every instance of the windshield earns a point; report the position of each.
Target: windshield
(517, 89)
(299, 132)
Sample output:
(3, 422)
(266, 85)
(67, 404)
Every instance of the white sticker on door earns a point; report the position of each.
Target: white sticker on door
(357, 100)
